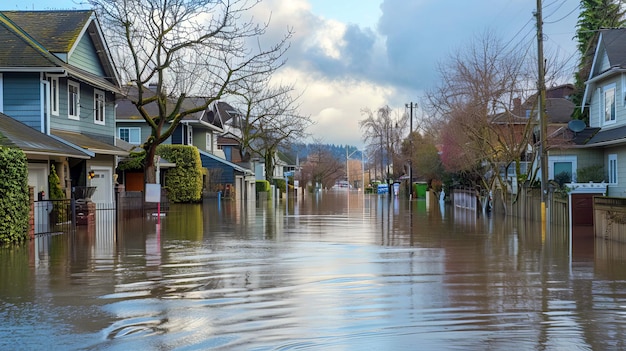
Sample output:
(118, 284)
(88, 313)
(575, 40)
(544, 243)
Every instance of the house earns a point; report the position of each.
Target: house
(201, 129)
(605, 97)
(519, 128)
(57, 77)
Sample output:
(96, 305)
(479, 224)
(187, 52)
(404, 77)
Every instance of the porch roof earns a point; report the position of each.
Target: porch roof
(33, 142)
(608, 137)
(91, 144)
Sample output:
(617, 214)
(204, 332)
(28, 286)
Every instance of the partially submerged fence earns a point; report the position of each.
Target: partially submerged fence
(610, 218)
(53, 216)
(526, 204)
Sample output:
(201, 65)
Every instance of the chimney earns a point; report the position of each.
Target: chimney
(517, 105)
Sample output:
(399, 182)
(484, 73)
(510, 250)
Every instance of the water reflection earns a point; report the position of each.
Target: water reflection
(333, 271)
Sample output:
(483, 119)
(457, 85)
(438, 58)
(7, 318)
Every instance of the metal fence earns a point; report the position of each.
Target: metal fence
(54, 216)
(69, 215)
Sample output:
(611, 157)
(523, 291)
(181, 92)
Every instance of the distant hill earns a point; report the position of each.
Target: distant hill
(338, 151)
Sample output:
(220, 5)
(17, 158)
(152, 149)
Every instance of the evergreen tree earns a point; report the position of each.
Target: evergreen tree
(594, 15)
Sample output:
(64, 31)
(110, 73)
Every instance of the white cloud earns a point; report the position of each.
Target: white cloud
(335, 105)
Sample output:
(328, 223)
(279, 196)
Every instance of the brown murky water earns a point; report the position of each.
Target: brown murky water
(334, 272)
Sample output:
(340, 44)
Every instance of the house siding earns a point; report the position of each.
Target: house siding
(146, 131)
(86, 123)
(595, 106)
(178, 135)
(22, 98)
(618, 189)
(228, 173)
(84, 56)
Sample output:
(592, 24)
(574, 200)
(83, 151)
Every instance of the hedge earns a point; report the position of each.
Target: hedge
(183, 182)
(262, 186)
(14, 201)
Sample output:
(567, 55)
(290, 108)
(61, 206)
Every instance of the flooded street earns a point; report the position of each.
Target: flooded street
(333, 272)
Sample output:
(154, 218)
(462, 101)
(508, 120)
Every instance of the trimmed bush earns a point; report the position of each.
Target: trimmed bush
(183, 182)
(262, 186)
(14, 202)
(280, 184)
(59, 210)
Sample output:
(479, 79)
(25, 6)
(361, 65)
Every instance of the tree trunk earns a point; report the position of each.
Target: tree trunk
(269, 166)
(149, 175)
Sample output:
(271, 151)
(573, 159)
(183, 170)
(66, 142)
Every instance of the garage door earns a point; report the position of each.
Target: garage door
(582, 209)
(103, 182)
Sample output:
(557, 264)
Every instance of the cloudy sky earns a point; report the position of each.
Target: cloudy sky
(347, 55)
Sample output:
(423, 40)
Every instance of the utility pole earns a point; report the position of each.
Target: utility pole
(410, 106)
(541, 85)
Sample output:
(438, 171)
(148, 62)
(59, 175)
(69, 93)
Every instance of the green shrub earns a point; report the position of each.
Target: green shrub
(591, 174)
(14, 202)
(183, 182)
(562, 178)
(59, 209)
(262, 186)
(280, 184)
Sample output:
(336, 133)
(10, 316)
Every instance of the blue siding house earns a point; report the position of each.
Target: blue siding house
(201, 130)
(57, 77)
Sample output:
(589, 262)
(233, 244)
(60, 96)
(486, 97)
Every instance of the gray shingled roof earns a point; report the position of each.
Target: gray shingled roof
(127, 111)
(57, 31)
(609, 135)
(28, 43)
(89, 143)
(32, 141)
(19, 50)
(613, 41)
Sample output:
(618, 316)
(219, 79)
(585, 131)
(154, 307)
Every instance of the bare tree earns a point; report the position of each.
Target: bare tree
(183, 48)
(383, 135)
(271, 120)
(322, 168)
(480, 131)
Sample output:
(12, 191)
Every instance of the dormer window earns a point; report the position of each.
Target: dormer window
(608, 104)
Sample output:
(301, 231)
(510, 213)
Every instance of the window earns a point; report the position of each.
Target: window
(73, 100)
(98, 106)
(562, 168)
(613, 169)
(609, 104)
(130, 135)
(54, 95)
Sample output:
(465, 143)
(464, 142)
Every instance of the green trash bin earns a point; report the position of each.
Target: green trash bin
(419, 190)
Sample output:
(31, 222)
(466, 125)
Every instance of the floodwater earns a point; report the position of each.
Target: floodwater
(337, 271)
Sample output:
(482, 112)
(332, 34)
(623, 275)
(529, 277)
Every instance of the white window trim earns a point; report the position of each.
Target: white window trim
(97, 92)
(554, 159)
(119, 134)
(77, 86)
(623, 78)
(606, 88)
(209, 142)
(189, 135)
(54, 98)
(612, 180)
(1, 93)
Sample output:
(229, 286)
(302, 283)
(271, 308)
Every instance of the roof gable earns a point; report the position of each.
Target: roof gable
(609, 59)
(63, 34)
(19, 49)
(61, 29)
